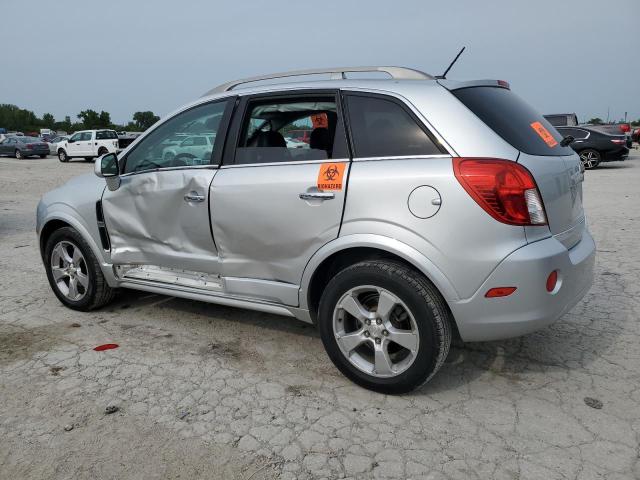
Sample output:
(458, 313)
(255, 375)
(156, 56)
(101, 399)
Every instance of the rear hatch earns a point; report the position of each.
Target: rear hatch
(556, 169)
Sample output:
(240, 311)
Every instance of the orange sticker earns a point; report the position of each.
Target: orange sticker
(544, 134)
(330, 176)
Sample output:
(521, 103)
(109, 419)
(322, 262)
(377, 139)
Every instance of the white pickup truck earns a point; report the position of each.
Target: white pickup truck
(88, 144)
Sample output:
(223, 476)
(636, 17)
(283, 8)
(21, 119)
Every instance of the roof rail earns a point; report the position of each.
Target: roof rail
(397, 73)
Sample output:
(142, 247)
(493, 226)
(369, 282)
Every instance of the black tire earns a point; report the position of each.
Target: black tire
(88, 159)
(432, 318)
(18, 155)
(62, 156)
(590, 158)
(102, 151)
(98, 292)
(43, 156)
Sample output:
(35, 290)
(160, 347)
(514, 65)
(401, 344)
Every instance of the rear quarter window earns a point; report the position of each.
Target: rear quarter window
(513, 119)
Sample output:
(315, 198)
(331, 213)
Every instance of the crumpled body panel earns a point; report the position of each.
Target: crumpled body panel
(150, 222)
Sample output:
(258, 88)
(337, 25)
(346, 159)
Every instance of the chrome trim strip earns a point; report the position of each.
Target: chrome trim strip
(401, 157)
(298, 162)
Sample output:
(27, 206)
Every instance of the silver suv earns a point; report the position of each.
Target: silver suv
(418, 208)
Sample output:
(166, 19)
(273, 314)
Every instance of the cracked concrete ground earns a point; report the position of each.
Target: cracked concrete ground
(206, 391)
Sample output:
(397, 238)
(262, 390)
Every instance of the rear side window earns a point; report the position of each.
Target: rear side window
(513, 119)
(106, 135)
(383, 128)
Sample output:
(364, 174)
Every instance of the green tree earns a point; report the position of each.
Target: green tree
(144, 120)
(595, 121)
(92, 119)
(48, 120)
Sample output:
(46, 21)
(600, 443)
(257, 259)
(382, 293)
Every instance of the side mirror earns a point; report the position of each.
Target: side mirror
(107, 167)
(70, 140)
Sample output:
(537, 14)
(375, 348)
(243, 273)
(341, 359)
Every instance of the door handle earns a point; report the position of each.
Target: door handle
(194, 197)
(317, 196)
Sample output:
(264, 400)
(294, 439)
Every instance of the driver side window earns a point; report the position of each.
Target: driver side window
(166, 146)
(76, 137)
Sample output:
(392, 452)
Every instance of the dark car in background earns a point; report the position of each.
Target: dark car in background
(562, 119)
(23, 147)
(595, 146)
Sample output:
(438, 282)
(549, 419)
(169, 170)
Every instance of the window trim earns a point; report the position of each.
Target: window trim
(216, 154)
(405, 107)
(229, 157)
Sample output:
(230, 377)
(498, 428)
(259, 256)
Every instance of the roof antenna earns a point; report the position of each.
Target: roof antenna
(444, 75)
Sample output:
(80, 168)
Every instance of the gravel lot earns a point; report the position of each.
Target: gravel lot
(206, 391)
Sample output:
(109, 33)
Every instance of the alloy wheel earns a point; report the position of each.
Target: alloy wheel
(589, 159)
(69, 270)
(376, 331)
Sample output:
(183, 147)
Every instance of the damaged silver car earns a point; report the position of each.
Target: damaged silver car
(415, 208)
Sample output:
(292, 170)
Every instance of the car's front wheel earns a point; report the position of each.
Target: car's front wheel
(62, 156)
(590, 158)
(74, 272)
(384, 326)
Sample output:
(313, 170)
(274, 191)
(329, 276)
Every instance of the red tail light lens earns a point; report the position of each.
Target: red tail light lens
(504, 189)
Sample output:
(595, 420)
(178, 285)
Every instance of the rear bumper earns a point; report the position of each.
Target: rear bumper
(530, 307)
(621, 153)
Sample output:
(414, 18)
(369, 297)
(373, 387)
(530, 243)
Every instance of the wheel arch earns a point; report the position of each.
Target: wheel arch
(61, 219)
(351, 249)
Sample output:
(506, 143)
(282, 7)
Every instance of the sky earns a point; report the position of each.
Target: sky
(124, 56)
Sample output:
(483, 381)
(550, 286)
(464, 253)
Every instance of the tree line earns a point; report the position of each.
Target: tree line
(18, 119)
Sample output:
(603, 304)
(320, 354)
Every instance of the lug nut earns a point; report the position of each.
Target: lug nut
(379, 321)
(378, 340)
(366, 334)
(385, 333)
(367, 321)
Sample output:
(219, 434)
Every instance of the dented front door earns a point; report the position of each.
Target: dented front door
(161, 218)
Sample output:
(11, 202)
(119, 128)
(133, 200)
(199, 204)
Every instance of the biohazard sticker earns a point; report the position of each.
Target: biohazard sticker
(544, 134)
(330, 176)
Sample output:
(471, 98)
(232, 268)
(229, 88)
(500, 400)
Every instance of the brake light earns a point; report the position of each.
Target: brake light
(504, 189)
(619, 142)
(30, 145)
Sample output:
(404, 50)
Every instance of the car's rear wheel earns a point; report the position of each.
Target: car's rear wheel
(102, 151)
(62, 156)
(590, 158)
(74, 272)
(18, 154)
(384, 326)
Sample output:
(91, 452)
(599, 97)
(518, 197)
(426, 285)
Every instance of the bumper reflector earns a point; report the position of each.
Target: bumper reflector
(499, 292)
(552, 280)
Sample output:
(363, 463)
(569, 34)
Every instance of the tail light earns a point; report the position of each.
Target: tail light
(30, 145)
(619, 141)
(504, 189)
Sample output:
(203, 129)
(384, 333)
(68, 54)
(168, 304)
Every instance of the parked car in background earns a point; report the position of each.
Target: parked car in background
(88, 144)
(389, 232)
(595, 147)
(635, 135)
(614, 129)
(193, 150)
(55, 142)
(562, 119)
(23, 147)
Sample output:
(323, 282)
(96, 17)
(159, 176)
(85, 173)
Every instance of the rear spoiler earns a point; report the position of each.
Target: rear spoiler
(454, 85)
